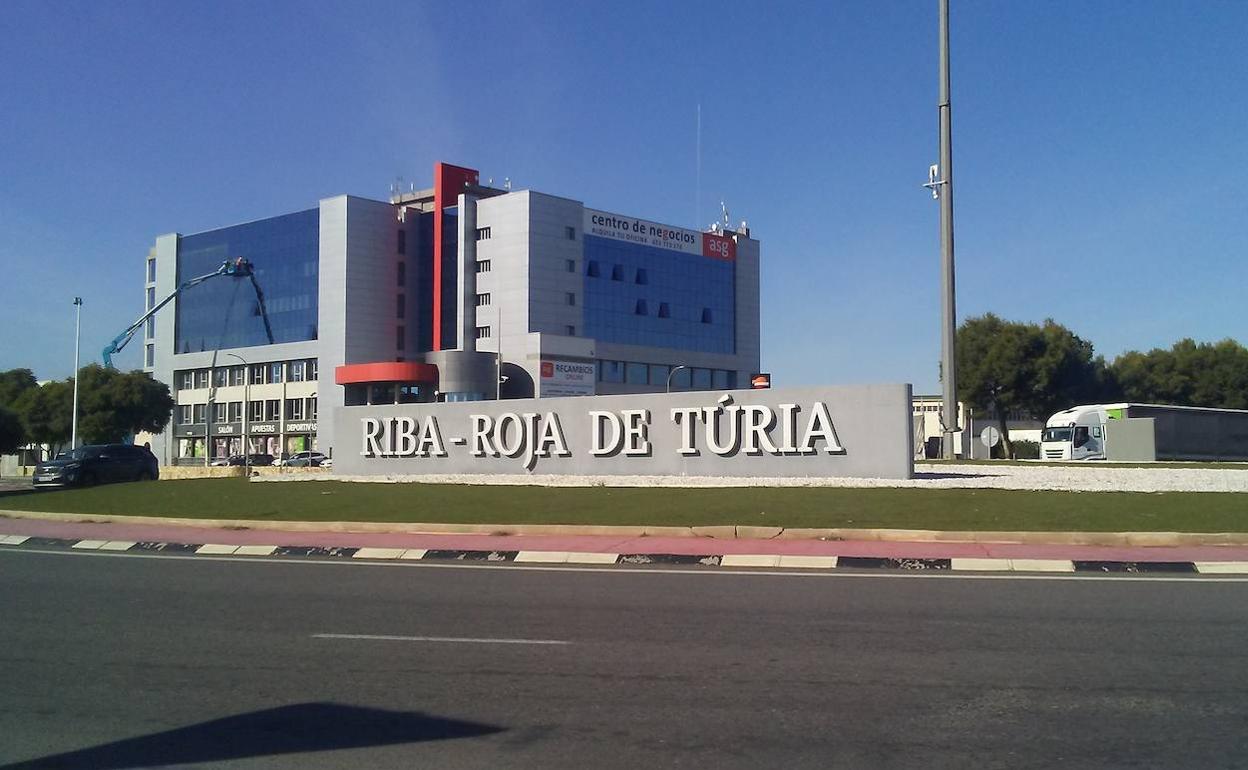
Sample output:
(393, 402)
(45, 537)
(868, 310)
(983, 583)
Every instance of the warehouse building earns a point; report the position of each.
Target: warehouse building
(460, 292)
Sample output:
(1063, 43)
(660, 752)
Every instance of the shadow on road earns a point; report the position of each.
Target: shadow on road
(285, 730)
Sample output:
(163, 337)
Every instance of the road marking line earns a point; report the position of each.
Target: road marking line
(543, 557)
(88, 545)
(13, 539)
(448, 639)
(592, 557)
(1222, 567)
(118, 545)
(1042, 565)
(1089, 577)
(378, 553)
(981, 565)
(808, 562)
(216, 549)
(750, 560)
(414, 553)
(255, 550)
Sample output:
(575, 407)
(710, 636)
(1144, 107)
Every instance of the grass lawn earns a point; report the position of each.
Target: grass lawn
(943, 509)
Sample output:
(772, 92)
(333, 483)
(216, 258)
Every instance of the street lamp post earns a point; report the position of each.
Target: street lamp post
(948, 356)
(73, 435)
(246, 406)
(669, 375)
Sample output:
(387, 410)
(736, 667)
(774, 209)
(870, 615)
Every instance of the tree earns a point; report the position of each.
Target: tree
(46, 413)
(1008, 366)
(114, 404)
(1188, 374)
(14, 384)
(12, 435)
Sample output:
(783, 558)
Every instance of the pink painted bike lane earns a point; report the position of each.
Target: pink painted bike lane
(691, 546)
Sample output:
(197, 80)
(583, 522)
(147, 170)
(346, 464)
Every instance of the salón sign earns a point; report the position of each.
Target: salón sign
(833, 431)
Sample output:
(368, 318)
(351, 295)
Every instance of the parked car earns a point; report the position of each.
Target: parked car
(255, 459)
(305, 459)
(100, 464)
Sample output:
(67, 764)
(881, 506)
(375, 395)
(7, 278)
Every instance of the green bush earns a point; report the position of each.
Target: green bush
(1026, 450)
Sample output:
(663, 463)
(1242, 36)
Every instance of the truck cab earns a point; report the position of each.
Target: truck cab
(1077, 433)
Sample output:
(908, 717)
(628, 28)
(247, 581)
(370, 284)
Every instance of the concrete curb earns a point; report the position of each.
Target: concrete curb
(725, 532)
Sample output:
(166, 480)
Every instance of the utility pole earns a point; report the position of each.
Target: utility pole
(73, 435)
(948, 311)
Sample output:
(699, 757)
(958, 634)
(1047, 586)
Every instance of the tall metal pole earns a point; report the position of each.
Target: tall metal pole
(948, 311)
(73, 435)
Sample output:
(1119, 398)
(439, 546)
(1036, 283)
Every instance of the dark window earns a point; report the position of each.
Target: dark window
(483, 332)
(570, 265)
(483, 299)
(642, 277)
(402, 245)
(402, 278)
(610, 371)
(569, 330)
(151, 271)
(400, 341)
(591, 268)
(665, 310)
(570, 232)
(706, 315)
(149, 356)
(483, 266)
(483, 233)
(641, 308)
(701, 379)
(617, 273)
(571, 298)
(400, 308)
(636, 374)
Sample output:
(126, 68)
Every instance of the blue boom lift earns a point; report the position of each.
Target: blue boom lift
(236, 268)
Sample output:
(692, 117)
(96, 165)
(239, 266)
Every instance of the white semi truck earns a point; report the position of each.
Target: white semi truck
(1145, 432)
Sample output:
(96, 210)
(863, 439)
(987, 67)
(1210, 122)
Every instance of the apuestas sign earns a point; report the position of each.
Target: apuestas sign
(621, 228)
(568, 378)
(842, 431)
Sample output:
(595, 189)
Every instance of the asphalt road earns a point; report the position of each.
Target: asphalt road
(121, 662)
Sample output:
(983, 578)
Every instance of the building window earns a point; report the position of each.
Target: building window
(236, 411)
(591, 268)
(701, 379)
(272, 409)
(151, 297)
(400, 338)
(483, 299)
(201, 378)
(311, 408)
(402, 276)
(184, 414)
(255, 411)
(275, 371)
(706, 315)
(570, 298)
(643, 277)
(200, 410)
(570, 265)
(186, 380)
(658, 374)
(636, 374)
(483, 266)
(312, 369)
(151, 271)
(569, 330)
(617, 273)
(149, 356)
(294, 409)
(610, 371)
(401, 246)
(257, 374)
(665, 310)
(298, 371)
(149, 329)
(220, 411)
(238, 375)
(483, 233)
(640, 309)
(483, 332)
(220, 377)
(570, 232)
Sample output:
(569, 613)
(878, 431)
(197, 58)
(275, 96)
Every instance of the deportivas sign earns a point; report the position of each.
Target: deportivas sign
(846, 431)
(607, 225)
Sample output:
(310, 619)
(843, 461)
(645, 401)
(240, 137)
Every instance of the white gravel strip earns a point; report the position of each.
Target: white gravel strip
(1082, 478)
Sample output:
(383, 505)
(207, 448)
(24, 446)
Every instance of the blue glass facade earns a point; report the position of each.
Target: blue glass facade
(642, 295)
(223, 312)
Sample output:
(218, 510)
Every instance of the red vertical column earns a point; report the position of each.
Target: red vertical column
(448, 182)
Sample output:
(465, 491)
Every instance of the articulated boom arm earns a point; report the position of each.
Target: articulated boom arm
(237, 268)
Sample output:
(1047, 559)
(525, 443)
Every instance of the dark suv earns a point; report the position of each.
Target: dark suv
(90, 465)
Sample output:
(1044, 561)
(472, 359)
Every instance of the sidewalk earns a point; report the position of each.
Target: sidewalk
(728, 551)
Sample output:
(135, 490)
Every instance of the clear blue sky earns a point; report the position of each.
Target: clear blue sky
(1101, 155)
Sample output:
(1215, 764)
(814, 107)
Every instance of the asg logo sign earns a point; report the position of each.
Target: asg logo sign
(548, 369)
(718, 246)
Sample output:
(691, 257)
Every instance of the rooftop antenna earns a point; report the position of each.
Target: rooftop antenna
(724, 206)
(697, 200)
(507, 183)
